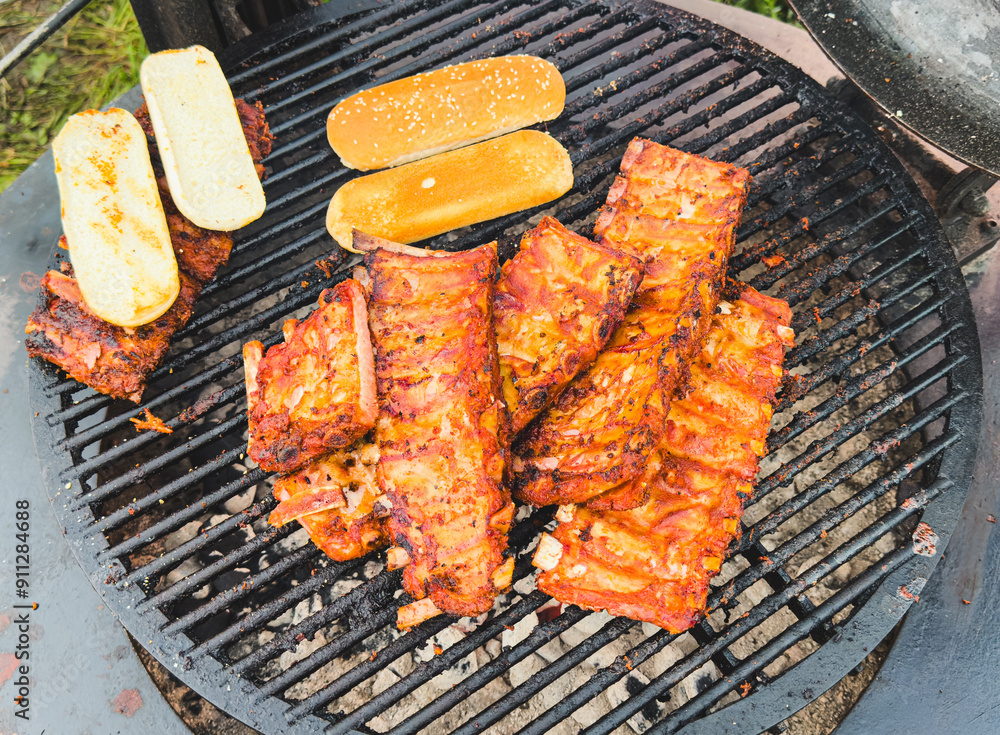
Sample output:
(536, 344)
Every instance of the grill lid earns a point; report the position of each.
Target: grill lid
(874, 432)
(928, 65)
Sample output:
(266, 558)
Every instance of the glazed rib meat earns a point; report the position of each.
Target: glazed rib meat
(337, 501)
(442, 426)
(557, 302)
(316, 391)
(654, 563)
(107, 358)
(678, 212)
(110, 359)
(555, 305)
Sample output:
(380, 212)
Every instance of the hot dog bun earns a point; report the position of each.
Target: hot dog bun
(452, 190)
(439, 111)
(113, 219)
(205, 156)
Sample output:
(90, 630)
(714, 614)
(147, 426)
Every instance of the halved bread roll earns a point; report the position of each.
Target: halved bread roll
(452, 190)
(441, 110)
(113, 219)
(198, 133)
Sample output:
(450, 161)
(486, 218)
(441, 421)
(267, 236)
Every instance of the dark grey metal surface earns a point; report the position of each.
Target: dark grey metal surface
(797, 191)
(177, 24)
(933, 65)
(81, 659)
(941, 674)
(751, 702)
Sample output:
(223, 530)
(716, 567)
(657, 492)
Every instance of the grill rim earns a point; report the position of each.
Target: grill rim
(244, 700)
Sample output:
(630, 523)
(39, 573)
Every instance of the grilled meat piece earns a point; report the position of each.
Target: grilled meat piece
(679, 213)
(337, 501)
(442, 427)
(557, 302)
(200, 252)
(107, 358)
(315, 392)
(555, 305)
(110, 359)
(654, 562)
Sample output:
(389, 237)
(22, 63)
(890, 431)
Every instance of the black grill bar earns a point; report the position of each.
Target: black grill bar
(414, 639)
(433, 667)
(538, 637)
(764, 656)
(825, 339)
(803, 422)
(259, 67)
(609, 632)
(763, 187)
(768, 107)
(842, 262)
(461, 19)
(190, 513)
(621, 58)
(643, 96)
(327, 614)
(132, 444)
(772, 130)
(270, 609)
(687, 99)
(380, 586)
(808, 382)
(811, 346)
(850, 429)
(280, 255)
(350, 52)
(440, 57)
(249, 550)
(289, 279)
(846, 293)
(251, 583)
(199, 542)
(805, 196)
(88, 436)
(119, 517)
(259, 240)
(333, 649)
(847, 469)
(783, 553)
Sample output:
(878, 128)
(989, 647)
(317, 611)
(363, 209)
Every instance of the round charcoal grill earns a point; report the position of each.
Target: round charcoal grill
(870, 452)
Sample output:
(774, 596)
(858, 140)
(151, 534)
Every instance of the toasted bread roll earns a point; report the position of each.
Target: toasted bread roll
(198, 132)
(452, 190)
(113, 218)
(439, 111)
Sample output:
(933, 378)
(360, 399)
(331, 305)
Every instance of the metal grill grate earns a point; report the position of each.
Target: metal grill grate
(874, 431)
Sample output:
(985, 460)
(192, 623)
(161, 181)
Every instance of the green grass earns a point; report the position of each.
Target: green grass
(90, 61)
(777, 9)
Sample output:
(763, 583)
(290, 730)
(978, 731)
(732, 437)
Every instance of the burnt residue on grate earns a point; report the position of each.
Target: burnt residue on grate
(874, 432)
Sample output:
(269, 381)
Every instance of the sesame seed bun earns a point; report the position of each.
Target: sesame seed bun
(439, 111)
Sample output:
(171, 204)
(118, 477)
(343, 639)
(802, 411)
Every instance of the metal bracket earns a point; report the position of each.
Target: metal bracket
(965, 213)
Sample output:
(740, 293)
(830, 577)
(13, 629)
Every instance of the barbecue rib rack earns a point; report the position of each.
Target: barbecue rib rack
(869, 459)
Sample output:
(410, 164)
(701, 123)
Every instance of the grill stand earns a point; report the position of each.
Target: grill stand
(40, 241)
